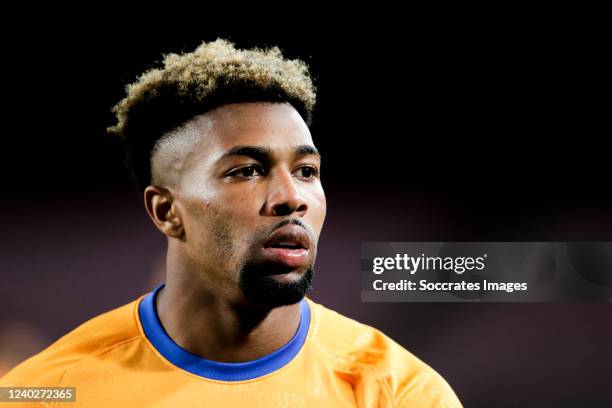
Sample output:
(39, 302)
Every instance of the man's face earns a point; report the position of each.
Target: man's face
(251, 203)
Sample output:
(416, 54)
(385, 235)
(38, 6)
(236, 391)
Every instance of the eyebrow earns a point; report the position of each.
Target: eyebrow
(305, 150)
(263, 154)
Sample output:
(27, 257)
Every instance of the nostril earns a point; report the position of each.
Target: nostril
(288, 208)
(282, 209)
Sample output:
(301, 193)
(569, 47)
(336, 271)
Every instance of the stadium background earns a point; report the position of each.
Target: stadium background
(432, 134)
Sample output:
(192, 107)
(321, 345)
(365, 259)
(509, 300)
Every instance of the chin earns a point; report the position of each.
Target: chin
(277, 289)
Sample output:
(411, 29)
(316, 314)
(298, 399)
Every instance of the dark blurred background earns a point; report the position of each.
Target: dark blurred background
(430, 131)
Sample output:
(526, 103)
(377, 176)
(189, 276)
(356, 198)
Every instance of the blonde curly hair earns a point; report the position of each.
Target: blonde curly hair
(190, 84)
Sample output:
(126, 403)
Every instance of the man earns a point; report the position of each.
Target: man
(218, 140)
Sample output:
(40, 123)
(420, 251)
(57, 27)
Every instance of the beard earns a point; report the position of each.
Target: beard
(260, 287)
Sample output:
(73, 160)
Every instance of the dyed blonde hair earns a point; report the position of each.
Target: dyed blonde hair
(190, 84)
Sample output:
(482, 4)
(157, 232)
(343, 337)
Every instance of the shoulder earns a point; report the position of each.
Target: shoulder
(92, 338)
(365, 354)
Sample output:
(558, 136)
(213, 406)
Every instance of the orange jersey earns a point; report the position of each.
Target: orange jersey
(124, 358)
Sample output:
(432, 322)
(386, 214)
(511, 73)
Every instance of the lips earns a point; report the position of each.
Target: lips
(288, 245)
(290, 236)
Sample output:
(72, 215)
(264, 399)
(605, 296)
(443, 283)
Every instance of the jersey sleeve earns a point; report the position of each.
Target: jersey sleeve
(36, 371)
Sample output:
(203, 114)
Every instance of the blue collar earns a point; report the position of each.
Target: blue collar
(181, 358)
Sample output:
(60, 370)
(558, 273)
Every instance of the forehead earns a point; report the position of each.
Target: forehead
(277, 126)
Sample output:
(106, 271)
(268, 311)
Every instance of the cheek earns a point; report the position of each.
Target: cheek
(242, 205)
(216, 205)
(318, 209)
(213, 238)
(229, 220)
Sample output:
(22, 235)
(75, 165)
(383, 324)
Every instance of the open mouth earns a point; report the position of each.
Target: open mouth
(288, 245)
(288, 237)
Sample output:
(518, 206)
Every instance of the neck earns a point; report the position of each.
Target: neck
(217, 329)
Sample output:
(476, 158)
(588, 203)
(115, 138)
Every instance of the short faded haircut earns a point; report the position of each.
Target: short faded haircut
(191, 84)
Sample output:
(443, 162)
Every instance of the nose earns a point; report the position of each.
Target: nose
(284, 196)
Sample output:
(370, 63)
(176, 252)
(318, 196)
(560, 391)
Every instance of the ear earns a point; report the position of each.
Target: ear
(159, 204)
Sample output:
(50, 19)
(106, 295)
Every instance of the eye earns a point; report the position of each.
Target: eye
(307, 172)
(246, 172)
